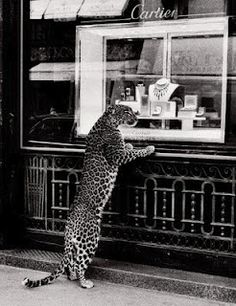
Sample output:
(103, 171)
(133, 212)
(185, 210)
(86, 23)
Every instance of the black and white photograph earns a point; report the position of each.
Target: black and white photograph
(117, 152)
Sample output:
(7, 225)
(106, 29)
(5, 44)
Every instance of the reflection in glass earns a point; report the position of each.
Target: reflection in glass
(197, 64)
(48, 106)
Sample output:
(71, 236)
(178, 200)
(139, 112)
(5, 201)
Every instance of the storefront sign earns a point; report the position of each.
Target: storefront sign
(138, 12)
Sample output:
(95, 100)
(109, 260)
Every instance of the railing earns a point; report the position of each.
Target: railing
(177, 204)
(50, 186)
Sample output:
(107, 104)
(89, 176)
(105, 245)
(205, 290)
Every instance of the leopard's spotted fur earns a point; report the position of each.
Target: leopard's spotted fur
(105, 152)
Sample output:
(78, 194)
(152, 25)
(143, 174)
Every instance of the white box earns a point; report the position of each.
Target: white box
(191, 102)
(166, 109)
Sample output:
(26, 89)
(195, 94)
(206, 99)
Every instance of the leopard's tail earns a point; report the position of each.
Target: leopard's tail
(44, 281)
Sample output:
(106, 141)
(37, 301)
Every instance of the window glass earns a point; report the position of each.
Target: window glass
(49, 74)
(48, 111)
(231, 88)
(131, 65)
(197, 66)
(174, 82)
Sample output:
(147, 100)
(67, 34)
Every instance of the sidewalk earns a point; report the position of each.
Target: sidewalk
(66, 293)
(167, 281)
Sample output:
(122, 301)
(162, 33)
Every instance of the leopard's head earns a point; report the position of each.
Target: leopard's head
(119, 114)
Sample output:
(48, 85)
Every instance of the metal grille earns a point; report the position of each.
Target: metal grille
(35, 187)
(52, 194)
(171, 203)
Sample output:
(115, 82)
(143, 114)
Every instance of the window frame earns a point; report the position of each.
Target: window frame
(189, 27)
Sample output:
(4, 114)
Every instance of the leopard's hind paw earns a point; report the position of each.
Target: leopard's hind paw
(87, 284)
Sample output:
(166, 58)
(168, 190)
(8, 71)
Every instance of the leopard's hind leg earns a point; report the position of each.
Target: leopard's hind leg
(84, 254)
(70, 256)
(84, 282)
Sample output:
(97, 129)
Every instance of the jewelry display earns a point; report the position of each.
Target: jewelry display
(201, 112)
(159, 98)
(157, 110)
(162, 90)
(191, 102)
(165, 103)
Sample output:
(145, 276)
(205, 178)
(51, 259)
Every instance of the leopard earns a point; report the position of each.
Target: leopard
(105, 152)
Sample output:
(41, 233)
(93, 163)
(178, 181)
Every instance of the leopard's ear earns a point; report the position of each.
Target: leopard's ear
(111, 109)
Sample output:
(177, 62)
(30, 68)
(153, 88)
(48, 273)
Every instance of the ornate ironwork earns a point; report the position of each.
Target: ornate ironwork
(171, 203)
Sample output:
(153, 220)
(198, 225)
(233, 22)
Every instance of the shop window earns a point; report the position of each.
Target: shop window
(173, 75)
(48, 109)
(49, 116)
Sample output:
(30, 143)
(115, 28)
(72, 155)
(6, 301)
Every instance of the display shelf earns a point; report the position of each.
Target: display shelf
(187, 123)
(144, 134)
(132, 76)
(170, 118)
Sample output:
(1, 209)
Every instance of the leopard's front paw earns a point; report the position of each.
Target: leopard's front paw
(150, 149)
(129, 146)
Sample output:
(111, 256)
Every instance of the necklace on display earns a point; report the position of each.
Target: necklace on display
(161, 88)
